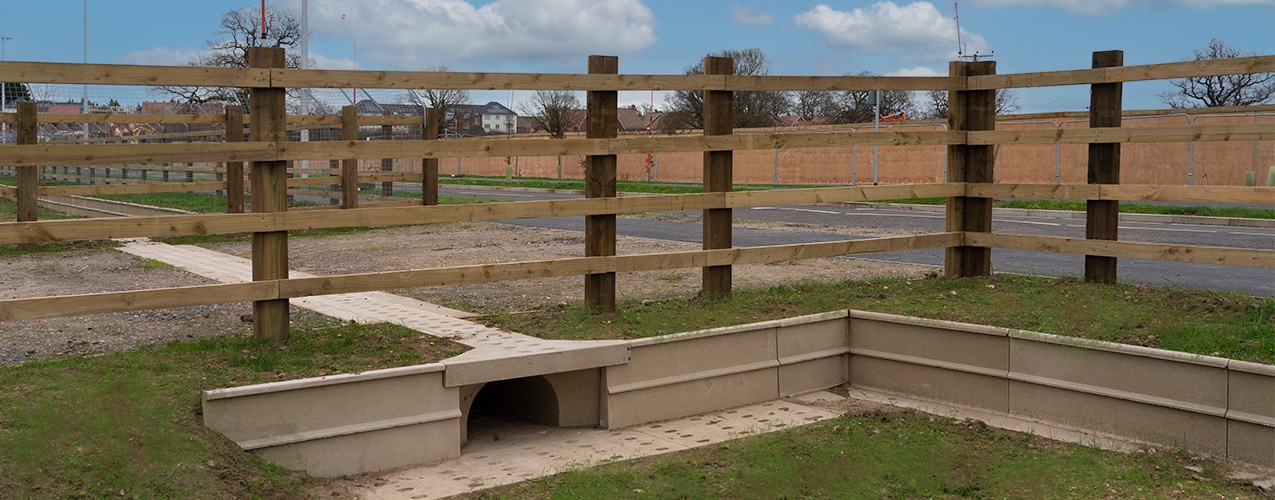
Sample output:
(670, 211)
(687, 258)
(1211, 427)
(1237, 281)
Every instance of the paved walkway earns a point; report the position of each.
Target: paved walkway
(365, 307)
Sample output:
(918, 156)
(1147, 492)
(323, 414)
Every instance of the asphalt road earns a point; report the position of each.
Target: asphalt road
(1257, 281)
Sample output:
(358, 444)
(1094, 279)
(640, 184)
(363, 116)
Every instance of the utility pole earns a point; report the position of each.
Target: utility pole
(4, 94)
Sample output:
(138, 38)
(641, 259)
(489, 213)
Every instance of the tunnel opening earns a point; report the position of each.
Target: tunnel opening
(511, 407)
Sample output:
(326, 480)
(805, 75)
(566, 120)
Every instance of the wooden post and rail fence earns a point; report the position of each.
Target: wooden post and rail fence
(970, 139)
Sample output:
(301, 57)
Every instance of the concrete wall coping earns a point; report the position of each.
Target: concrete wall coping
(1132, 350)
(725, 330)
(1119, 394)
(1251, 367)
(346, 430)
(931, 323)
(307, 383)
(1100, 345)
(691, 377)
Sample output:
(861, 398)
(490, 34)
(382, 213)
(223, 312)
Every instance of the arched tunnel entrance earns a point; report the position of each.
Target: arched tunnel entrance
(569, 399)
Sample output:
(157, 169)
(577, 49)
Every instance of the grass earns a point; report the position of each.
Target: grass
(128, 424)
(1203, 322)
(894, 455)
(578, 184)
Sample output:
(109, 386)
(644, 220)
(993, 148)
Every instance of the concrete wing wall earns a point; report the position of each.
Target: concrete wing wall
(696, 372)
(343, 424)
(1218, 406)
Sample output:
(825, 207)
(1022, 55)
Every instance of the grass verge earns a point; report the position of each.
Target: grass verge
(1204, 322)
(128, 424)
(892, 455)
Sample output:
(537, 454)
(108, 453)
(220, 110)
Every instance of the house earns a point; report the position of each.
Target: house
(370, 107)
(477, 119)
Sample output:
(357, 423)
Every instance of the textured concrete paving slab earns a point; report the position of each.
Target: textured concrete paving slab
(509, 452)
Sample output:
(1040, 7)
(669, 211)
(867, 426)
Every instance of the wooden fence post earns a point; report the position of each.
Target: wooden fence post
(719, 119)
(970, 110)
(429, 166)
(28, 177)
(269, 194)
(599, 230)
(1102, 217)
(387, 164)
(349, 166)
(234, 169)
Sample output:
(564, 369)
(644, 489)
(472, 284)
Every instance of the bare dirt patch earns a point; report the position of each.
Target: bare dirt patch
(411, 247)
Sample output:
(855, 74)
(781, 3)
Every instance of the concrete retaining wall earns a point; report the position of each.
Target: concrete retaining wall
(695, 372)
(349, 424)
(343, 424)
(1217, 406)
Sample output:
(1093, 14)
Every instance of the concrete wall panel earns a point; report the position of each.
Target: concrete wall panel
(1251, 443)
(688, 398)
(1148, 422)
(1177, 380)
(813, 375)
(342, 424)
(367, 452)
(942, 383)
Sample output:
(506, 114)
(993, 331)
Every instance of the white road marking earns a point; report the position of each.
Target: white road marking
(1166, 229)
(1256, 234)
(1030, 222)
(907, 215)
(800, 210)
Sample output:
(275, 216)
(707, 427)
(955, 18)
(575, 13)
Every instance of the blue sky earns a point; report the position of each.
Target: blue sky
(800, 37)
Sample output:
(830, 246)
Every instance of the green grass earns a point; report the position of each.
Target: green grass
(891, 455)
(152, 264)
(1204, 322)
(128, 424)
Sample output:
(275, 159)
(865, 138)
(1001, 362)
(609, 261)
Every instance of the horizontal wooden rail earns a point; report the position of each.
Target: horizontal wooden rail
(113, 154)
(186, 225)
(106, 154)
(1228, 194)
(117, 74)
(46, 307)
(1215, 67)
(116, 118)
(1181, 133)
(140, 188)
(1126, 249)
(301, 78)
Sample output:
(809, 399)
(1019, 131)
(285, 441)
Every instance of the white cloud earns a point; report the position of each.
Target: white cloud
(414, 34)
(916, 71)
(159, 56)
(324, 62)
(917, 32)
(746, 17)
(1104, 7)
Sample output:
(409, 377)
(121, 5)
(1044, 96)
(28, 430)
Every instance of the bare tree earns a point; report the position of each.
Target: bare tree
(443, 100)
(812, 103)
(751, 109)
(936, 103)
(1221, 90)
(551, 110)
(853, 106)
(237, 31)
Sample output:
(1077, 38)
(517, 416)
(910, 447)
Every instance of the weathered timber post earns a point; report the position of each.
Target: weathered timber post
(1102, 217)
(350, 166)
(387, 164)
(970, 110)
(719, 119)
(429, 166)
(28, 177)
(599, 230)
(269, 194)
(234, 169)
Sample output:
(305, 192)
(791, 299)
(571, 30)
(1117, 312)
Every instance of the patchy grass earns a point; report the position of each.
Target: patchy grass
(578, 184)
(128, 424)
(892, 455)
(152, 264)
(1204, 322)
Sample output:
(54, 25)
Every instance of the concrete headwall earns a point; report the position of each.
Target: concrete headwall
(349, 424)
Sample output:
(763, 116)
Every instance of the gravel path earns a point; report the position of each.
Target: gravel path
(412, 247)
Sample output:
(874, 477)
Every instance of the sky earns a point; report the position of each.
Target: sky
(799, 37)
